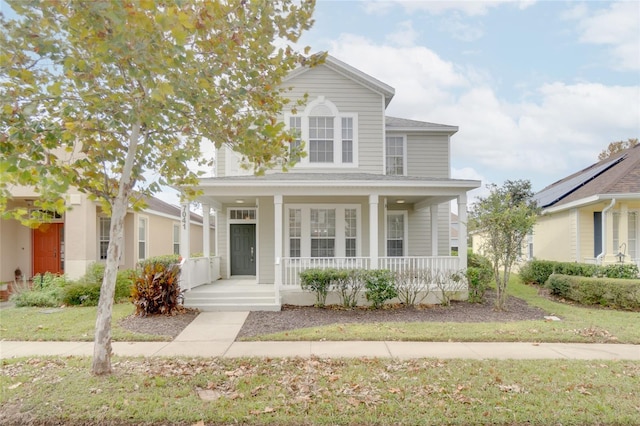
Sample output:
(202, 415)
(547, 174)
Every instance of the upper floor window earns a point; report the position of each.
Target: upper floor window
(330, 135)
(395, 156)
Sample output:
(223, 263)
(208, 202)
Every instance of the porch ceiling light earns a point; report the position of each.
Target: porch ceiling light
(400, 201)
(239, 201)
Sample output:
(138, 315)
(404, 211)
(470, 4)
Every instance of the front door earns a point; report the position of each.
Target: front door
(48, 248)
(243, 249)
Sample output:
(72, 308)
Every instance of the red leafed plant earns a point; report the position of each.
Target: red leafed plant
(156, 289)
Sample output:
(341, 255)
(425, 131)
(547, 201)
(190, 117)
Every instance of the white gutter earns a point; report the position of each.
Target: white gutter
(604, 230)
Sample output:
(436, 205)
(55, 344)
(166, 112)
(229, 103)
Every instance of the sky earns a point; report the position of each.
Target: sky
(537, 88)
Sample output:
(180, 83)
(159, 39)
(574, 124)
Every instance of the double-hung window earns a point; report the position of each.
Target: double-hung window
(104, 225)
(321, 139)
(323, 232)
(396, 234)
(633, 232)
(395, 156)
(142, 238)
(347, 139)
(176, 238)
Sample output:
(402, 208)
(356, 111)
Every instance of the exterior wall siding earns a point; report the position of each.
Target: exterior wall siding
(552, 237)
(427, 155)
(265, 241)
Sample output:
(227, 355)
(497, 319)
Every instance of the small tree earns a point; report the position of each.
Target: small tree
(504, 218)
(117, 98)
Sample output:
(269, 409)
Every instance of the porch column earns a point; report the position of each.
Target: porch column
(206, 232)
(373, 230)
(462, 230)
(277, 227)
(434, 229)
(185, 245)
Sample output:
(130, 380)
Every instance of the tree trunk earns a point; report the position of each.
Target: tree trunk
(102, 340)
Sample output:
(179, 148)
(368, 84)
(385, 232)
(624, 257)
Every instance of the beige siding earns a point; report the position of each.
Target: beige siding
(427, 155)
(552, 237)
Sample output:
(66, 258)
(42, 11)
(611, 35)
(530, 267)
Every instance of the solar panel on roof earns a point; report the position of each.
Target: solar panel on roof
(555, 193)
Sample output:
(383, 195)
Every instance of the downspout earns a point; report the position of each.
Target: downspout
(604, 231)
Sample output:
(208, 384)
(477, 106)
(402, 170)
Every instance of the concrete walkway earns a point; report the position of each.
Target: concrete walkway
(213, 334)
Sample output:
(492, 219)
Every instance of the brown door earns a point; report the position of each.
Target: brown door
(48, 255)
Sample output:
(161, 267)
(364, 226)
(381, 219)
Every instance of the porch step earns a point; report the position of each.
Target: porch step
(212, 298)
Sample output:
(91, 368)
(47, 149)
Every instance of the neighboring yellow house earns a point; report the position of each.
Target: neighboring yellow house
(71, 241)
(593, 215)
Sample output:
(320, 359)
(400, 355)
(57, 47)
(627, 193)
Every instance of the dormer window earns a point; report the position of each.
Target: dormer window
(330, 135)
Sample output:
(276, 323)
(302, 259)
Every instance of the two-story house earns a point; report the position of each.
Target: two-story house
(373, 191)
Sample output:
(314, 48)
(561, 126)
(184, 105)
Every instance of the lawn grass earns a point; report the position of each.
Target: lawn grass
(321, 392)
(65, 324)
(579, 325)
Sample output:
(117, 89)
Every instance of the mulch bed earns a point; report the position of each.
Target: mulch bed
(294, 317)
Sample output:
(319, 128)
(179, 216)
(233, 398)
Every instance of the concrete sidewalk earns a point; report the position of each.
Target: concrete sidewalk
(212, 334)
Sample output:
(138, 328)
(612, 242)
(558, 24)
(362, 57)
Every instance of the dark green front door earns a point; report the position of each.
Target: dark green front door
(243, 249)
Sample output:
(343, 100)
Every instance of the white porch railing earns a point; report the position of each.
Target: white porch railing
(441, 264)
(197, 271)
(291, 267)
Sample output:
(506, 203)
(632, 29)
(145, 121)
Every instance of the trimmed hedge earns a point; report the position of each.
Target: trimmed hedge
(87, 292)
(538, 271)
(611, 292)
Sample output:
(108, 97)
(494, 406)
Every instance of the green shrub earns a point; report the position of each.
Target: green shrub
(156, 288)
(348, 283)
(619, 270)
(38, 298)
(610, 292)
(317, 281)
(379, 286)
(82, 294)
(45, 291)
(94, 274)
(536, 271)
(479, 275)
(559, 285)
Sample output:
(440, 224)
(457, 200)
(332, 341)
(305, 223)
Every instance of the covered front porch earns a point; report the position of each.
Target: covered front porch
(270, 228)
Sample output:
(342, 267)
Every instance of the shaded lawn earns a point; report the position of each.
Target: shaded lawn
(65, 324)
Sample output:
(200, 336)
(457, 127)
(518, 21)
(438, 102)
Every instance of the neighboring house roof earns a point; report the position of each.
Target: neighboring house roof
(615, 177)
(351, 73)
(156, 206)
(402, 124)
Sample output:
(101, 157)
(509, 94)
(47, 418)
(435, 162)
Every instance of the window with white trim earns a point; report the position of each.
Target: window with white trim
(322, 230)
(350, 232)
(331, 135)
(632, 238)
(347, 139)
(142, 238)
(295, 232)
(396, 222)
(616, 231)
(321, 139)
(395, 156)
(176, 238)
(105, 226)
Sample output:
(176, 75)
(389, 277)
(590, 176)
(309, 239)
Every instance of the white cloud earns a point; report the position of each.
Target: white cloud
(563, 129)
(616, 27)
(461, 30)
(404, 36)
(467, 7)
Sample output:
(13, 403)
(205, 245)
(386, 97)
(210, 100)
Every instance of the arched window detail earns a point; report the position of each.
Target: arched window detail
(330, 136)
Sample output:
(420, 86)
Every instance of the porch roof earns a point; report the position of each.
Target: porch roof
(421, 191)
